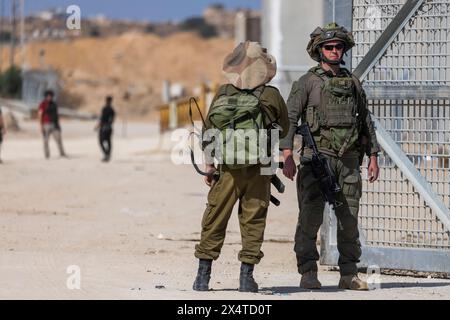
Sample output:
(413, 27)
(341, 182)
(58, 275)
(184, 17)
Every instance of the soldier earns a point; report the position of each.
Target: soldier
(49, 123)
(334, 105)
(248, 69)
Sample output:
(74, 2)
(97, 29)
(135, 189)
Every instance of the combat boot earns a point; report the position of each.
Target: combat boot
(352, 282)
(201, 282)
(246, 281)
(309, 281)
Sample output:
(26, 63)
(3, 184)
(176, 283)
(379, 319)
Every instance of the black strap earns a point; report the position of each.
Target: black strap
(192, 134)
(259, 91)
(190, 111)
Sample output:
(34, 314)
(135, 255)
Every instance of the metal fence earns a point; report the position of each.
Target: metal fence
(419, 55)
(392, 212)
(409, 96)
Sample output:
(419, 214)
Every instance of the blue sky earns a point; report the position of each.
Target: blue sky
(152, 10)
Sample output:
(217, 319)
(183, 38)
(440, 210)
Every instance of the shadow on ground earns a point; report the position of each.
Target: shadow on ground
(394, 285)
(330, 289)
(297, 289)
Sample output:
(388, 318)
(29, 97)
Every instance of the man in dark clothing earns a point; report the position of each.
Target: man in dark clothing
(49, 123)
(105, 128)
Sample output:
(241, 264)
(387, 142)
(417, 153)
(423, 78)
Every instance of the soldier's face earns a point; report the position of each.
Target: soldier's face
(333, 50)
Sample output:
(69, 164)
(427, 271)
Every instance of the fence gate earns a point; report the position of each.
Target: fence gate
(402, 54)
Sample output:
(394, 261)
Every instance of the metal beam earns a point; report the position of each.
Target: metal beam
(417, 259)
(407, 92)
(387, 37)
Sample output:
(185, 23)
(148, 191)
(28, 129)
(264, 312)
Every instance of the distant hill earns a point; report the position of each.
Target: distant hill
(131, 67)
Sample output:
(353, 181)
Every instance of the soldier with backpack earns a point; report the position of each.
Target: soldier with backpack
(246, 104)
(333, 103)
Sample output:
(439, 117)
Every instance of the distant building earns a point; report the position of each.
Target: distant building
(222, 19)
(247, 26)
(50, 14)
(240, 24)
(286, 26)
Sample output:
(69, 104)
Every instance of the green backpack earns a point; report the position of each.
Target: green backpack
(239, 118)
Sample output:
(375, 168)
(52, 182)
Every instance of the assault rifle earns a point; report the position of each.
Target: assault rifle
(320, 167)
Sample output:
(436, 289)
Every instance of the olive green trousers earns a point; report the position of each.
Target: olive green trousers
(311, 210)
(252, 191)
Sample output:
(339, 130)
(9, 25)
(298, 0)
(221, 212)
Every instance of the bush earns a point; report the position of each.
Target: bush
(199, 24)
(5, 36)
(94, 32)
(11, 83)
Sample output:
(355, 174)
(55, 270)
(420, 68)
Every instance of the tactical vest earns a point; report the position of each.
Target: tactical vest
(335, 122)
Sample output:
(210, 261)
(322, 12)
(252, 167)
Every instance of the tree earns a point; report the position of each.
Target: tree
(199, 24)
(11, 82)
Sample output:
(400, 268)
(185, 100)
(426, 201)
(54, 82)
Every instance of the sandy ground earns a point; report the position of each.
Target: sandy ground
(130, 226)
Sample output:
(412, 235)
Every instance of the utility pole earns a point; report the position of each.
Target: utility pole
(22, 34)
(13, 32)
(2, 18)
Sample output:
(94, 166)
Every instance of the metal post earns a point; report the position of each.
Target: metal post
(173, 117)
(341, 13)
(22, 34)
(13, 32)
(240, 23)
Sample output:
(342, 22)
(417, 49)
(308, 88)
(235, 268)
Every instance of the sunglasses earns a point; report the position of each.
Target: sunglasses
(330, 47)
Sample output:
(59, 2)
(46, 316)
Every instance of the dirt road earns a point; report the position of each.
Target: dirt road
(129, 227)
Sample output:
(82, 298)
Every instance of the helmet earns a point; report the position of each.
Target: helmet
(331, 32)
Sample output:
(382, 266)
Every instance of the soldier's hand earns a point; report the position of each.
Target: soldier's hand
(373, 170)
(289, 168)
(209, 179)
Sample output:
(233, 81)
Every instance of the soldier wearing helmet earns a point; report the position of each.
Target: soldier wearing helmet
(333, 103)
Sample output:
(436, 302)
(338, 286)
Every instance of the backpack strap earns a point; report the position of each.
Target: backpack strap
(359, 98)
(192, 134)
(318, 71)
(257, 92)
(222, 91)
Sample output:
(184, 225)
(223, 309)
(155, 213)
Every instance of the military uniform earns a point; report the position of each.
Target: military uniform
(246, 185)
(246, 103)
(335, 108)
